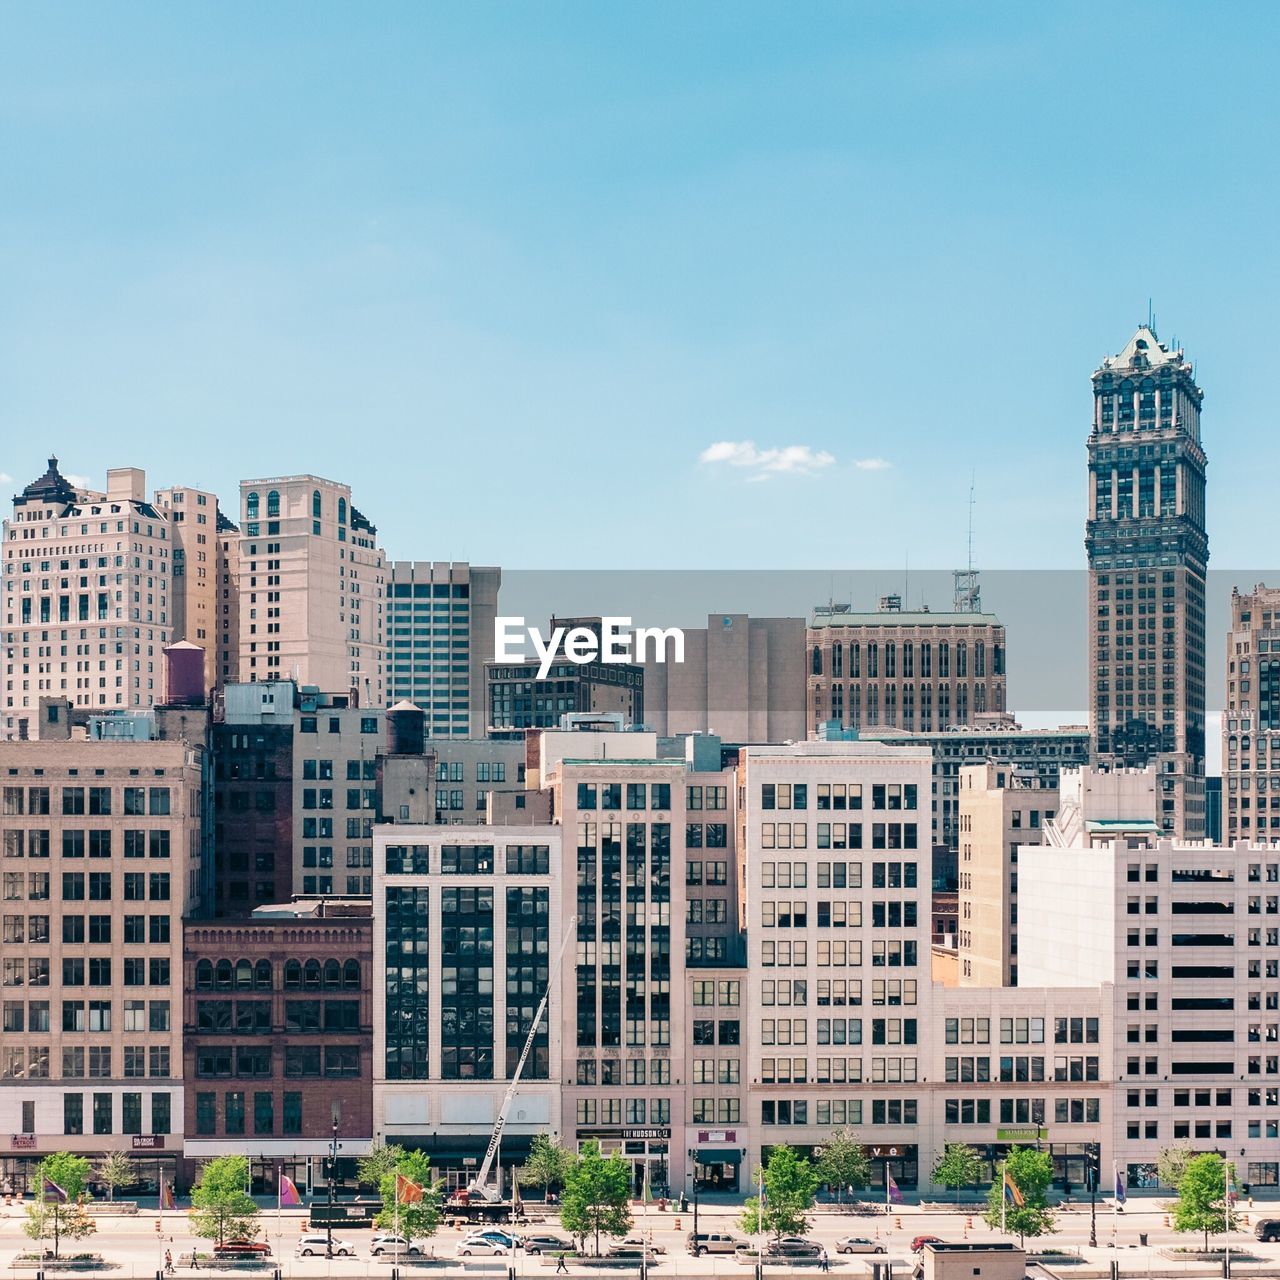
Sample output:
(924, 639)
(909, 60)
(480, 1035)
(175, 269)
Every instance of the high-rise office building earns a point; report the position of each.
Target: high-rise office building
(201, 573)
(1148, 551)
(1251, 725)
(913, 669)
(439, 631)
(312, 588)
(86, 597)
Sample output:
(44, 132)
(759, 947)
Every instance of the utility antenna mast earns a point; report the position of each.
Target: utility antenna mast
(968, 595)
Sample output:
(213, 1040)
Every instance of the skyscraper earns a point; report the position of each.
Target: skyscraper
(1251, 726)
(86, 606)
(312, 588)
(1148, 551)
(439, 637)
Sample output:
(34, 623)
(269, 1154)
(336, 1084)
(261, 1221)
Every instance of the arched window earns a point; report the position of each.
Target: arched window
(342, 511)
(204, 975)
(244, 975)
(222, 975)
(251, 506)
(351, 975)
(315, 505)
(292, 974)
(817, 661)
(332, 974)
(273, 504)
(311, 975)
(262, 975)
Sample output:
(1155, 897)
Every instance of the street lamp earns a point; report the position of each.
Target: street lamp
(333, 1173)
(1093, 1155)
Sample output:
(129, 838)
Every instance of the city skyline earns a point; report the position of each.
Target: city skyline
(239, 253)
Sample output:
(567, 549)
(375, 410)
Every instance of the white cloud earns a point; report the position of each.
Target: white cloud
(80, 482)
(792, 459)
(872, 464)
(5, 478)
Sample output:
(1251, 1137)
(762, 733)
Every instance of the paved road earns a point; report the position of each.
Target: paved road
(131, 1244)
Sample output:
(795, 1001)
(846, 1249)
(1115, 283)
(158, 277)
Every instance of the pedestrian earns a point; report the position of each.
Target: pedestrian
(168, 1261)
(826, 1261)
(561, 1269)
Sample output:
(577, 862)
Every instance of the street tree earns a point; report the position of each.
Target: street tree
(1202, 1196)
(58, 1208)
(547, 1163)
(596, 1191)
(790, 1186)
(222, 1209)
(842, 1163)
(381, 1160)
(1031, 1172)
(115, 1169)
(958, 1166)
(410, 1197)
(1172, 1162)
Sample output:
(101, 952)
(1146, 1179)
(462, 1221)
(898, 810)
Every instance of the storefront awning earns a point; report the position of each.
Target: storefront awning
(719, 1155)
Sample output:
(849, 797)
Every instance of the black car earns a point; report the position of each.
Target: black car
(1267, 1230)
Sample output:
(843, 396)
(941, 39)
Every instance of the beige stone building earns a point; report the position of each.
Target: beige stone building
(202, 576)
(85, 605)
(1251, 724)
(312, 588)
(742, 679)
(102, 858)
(911, 670)
(1001, 808)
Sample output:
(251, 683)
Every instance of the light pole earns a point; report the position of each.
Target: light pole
(1092, 1171)
(333, 1173)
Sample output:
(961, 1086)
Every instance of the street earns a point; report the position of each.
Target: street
(132, 1247)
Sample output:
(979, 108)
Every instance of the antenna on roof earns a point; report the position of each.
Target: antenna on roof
(968, 596)
(1151, 319)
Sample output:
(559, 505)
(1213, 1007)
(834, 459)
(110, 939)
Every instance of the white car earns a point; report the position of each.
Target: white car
(395, 1245)
(482, 1247)
(318, 1246)
(858, 1244)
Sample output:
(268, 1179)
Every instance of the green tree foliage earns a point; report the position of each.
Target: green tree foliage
(596, 1190)
(958, 1166)
(55, 1219)
(790, 1185)
(1202, 1196)
(547, 1164)
(1032, 1172)
(842, 1163)
(115, 1169)
(223, 1209)
(417, 1218)
(1171, 1162)
(381, 1160)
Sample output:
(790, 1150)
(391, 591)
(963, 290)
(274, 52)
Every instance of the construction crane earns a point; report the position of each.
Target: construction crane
(480, 1183)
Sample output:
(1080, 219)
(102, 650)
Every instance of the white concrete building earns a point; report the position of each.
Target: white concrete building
(1186, 937)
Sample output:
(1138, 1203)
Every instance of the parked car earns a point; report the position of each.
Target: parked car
(509, 1238)
(546, 1244)
(628, 1251)
(639, 1242)
(920, 1241)
(396, 1245)
(792, 1247)
(858, 1244)
(482, 1247)
(1267, 1230)
(713, 1242)
(310, 1246)
(242, 1249)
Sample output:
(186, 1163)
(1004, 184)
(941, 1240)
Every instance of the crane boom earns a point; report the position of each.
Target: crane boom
(481, 1181)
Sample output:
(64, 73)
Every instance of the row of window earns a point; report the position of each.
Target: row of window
(103, 1113)
(245, 975)
(80, 1062)
(155, 802)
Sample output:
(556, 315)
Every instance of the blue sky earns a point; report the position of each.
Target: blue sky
(512, 270)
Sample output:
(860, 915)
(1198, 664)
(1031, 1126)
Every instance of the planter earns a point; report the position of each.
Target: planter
(84, 1262)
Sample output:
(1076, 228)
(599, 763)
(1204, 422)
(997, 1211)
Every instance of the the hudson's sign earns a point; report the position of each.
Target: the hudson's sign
(618, 641)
